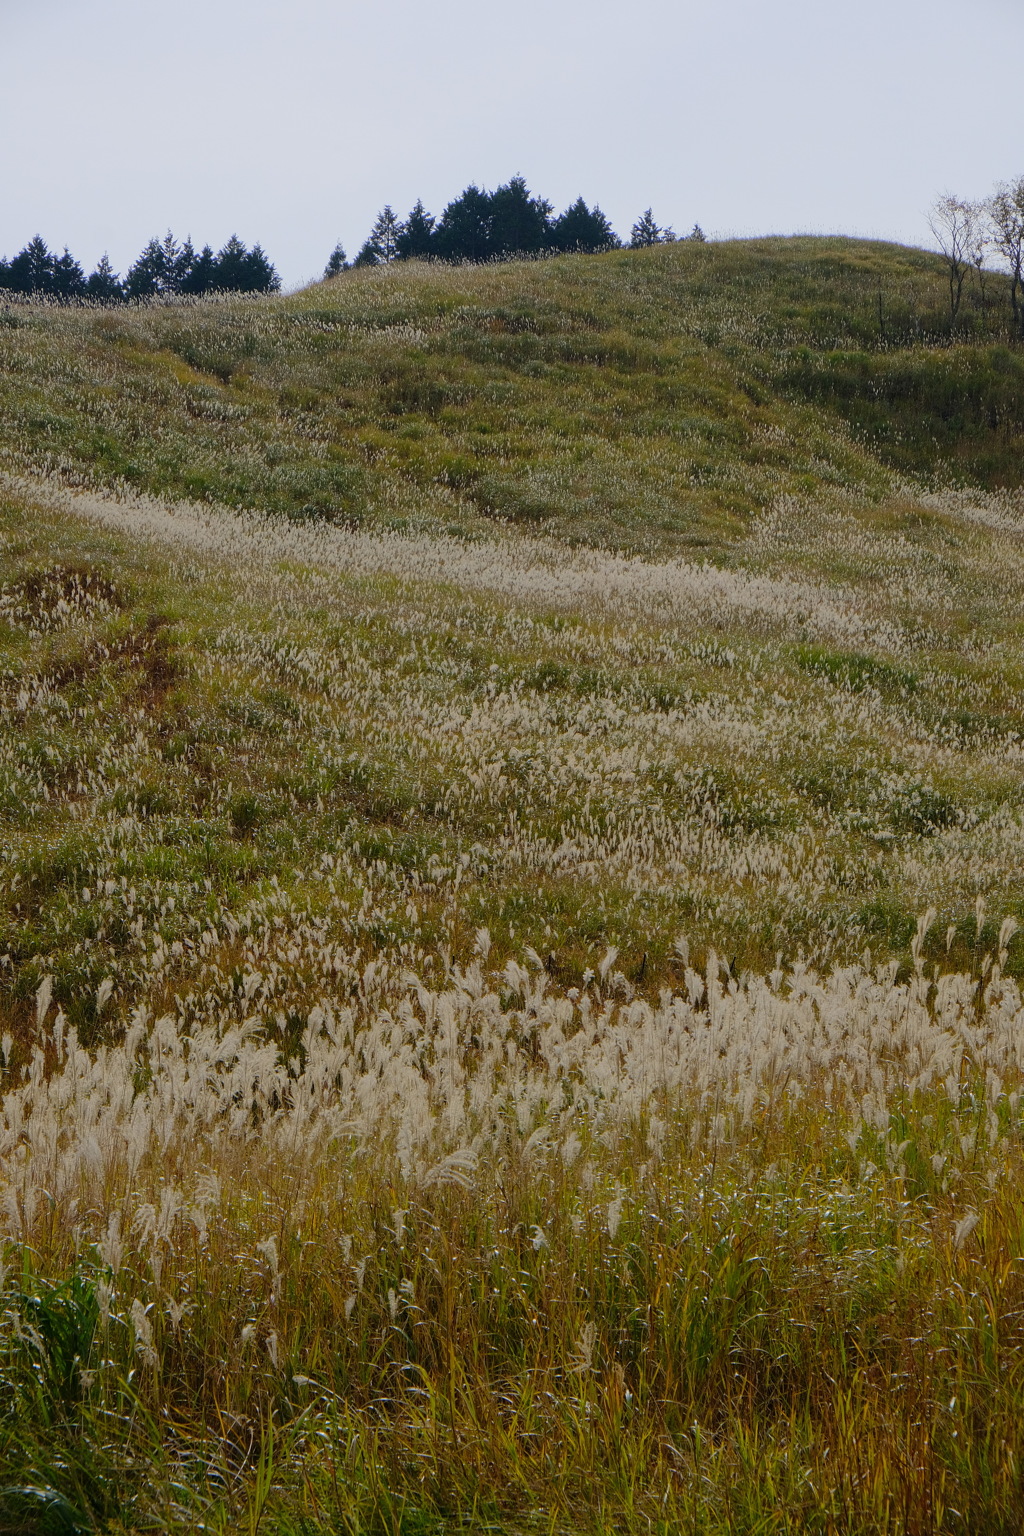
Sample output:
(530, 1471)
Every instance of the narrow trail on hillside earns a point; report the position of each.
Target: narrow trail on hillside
(519, 569)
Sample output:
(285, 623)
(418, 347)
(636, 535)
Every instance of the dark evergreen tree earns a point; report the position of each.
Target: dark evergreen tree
(238, 270)
(38, 272)
(18, 274)
(67, 279)
(165, 268)
(581, 228)
(104, 285)
(176, 263)
(381, 246)
(201, 276)
(646, 232)
(184, 262)
(31, 271)
(232, 267)
(147, 277)
(697, 234)
(416, 236)
(21, 271)
(463, 232)
(261, 274)
(518, 222)
(336, 262)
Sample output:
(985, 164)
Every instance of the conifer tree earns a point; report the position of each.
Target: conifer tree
(416, 237)
(581, 228)
(147, 275)
(261, 274)
(38, 272)
(31, 271)
(183, 265)
(232, 267)
(381, 246)
(104, 285)
(172, 254)
(337, 262)
(201, 276)
(162, 268)
(518, 222)
(463, 232)
(238, 270)
(647, 232)
(67, 280)
(9, 275)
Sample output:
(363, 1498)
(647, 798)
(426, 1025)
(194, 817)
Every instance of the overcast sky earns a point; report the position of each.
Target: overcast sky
(293, 123)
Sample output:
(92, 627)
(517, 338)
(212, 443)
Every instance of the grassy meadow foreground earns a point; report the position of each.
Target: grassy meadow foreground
(510, 1014)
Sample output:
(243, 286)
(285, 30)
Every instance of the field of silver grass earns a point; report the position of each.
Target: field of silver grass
(379, 1091)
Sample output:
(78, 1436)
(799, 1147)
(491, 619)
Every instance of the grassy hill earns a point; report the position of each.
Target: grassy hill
(654, 399)
(512, 843)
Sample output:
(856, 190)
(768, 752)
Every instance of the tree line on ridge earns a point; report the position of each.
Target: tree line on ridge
(492, 226)
(476, 226)
(480, 226)
(163, 268)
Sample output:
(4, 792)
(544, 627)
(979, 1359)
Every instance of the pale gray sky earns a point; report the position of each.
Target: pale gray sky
(292, 124)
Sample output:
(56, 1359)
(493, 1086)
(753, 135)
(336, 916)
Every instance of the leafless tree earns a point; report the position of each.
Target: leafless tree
(979, 250)
(1006, 212)
(958, 229)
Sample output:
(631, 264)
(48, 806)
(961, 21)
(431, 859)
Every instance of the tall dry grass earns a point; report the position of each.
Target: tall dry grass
(391, 1137)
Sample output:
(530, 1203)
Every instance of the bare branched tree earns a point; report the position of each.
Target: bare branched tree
(958, 228)
(1006, 212)
(979, 249)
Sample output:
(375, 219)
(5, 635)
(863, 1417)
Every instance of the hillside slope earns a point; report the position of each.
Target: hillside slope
(453, 1101)
(571, 749)
(643, 399)
(511, 856)
(846, 716)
